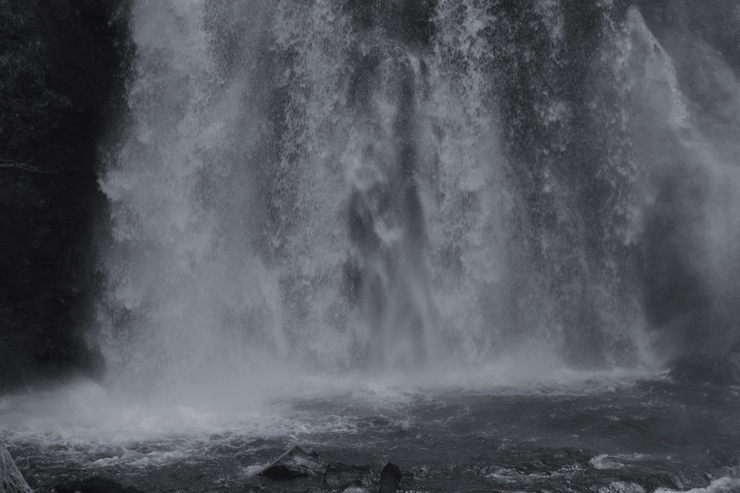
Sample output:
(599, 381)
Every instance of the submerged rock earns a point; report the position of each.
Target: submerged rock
(94, 484)
(698, 368)
(11, 479)
(390, 478)
(293, 464)
(340, 476)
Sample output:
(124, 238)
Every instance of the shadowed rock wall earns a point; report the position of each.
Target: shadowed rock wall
(60, 63)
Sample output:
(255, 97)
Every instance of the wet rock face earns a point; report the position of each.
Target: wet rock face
(299, 470)
(716, 21)
(341, 476)
(390, 478)
(295, 463)
(61, 63)
(11, 479)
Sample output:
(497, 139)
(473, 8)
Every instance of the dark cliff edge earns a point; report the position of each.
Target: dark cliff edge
(61, 76)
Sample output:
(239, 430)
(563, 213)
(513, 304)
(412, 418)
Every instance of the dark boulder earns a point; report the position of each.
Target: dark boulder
(340, 476)
(293, 464)
(390, 478)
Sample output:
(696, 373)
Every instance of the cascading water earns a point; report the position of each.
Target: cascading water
(369, 186)
(469, 233)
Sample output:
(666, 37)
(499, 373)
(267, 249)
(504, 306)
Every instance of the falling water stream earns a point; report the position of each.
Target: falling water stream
(450, 233)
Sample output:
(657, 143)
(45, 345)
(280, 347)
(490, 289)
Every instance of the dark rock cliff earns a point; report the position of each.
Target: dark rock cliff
(61, 66)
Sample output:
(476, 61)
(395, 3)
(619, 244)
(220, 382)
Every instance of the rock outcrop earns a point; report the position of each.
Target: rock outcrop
(297, 464)
(340, 476)
(390, 478)
(11, 479)
(293, 464)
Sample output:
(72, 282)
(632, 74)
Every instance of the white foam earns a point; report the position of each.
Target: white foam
(721, 485)
(622, 487)
(615, 461)
(95, 415)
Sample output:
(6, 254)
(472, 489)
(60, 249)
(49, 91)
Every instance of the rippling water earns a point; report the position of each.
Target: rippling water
(573, 430)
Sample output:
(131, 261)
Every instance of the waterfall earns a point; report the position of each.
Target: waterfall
(398, 185)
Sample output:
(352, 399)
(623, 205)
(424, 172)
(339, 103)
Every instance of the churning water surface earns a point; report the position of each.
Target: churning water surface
(570, 432)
